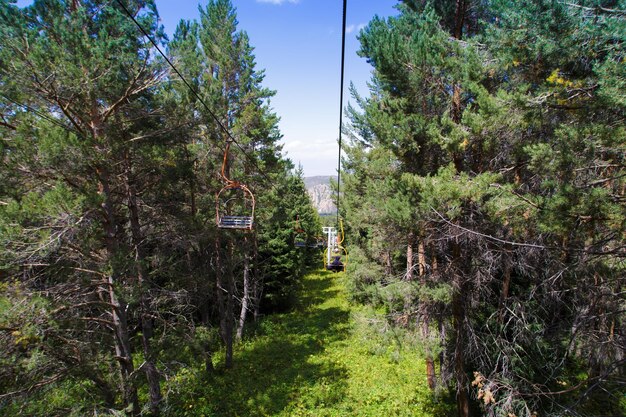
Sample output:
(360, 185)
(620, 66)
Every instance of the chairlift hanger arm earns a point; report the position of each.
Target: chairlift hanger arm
(224, 162)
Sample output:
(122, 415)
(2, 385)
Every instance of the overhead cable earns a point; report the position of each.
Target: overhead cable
(343, 59)
(193, 91)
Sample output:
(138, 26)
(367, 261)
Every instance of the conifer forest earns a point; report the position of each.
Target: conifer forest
(481, 198)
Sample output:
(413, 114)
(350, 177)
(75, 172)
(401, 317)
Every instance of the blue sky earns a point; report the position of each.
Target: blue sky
(298, 44)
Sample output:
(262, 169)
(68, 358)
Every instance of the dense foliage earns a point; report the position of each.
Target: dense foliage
(110, 259)
(323, 358)
(494, 131)
(484, 198)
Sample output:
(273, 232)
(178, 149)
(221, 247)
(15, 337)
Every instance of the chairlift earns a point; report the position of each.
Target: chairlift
(234, 203)
(302, 243)
(335, 255)
(235, 206)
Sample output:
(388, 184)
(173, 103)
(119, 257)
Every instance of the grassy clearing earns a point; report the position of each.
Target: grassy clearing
(322, 359)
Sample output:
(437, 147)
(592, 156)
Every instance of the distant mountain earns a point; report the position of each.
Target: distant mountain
(321, 194)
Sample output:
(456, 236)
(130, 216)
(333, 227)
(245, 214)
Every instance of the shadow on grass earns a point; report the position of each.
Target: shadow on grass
(278, 365)
(317, 290)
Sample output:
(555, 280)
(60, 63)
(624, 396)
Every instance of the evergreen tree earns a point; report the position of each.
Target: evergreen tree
(107, 214)
(500, 138)
(91, 76)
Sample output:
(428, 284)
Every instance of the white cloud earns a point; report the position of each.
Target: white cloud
(352, 28)
(317, 156)
(278, 2)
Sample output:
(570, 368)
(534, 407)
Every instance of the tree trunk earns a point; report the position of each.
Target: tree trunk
(206, 313)
(409, 257)
(257, 286)
(421, 259)
(431, 377)
(123, 351)
(388, 263)
(246, 292)
(459, 293)
(444, 373)
(149, 367)
(458, 312)
(229, 313)
(459, 18)
(408, 276)
(443, 366)
(458, 316)
(224, 283)
(192, 183)
(108, 395)
(506, 282)
(122, 347)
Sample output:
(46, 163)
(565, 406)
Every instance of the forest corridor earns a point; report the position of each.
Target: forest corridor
(157, 238)
(321, 359)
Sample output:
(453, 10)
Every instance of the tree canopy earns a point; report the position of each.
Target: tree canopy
(110, 255)
(483, 197)
(495, 133)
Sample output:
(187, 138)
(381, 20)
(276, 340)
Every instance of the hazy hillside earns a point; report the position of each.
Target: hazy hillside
(321, 194)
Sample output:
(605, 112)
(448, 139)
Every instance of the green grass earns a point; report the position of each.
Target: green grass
(322, 359)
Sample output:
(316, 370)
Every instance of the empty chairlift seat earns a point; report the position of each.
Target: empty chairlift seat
(235, 207)
(235, 222)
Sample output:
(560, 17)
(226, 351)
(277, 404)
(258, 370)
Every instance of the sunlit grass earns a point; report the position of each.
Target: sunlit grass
(322, 359)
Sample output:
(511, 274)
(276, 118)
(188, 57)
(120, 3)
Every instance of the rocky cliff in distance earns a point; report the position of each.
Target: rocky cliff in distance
(321, 194)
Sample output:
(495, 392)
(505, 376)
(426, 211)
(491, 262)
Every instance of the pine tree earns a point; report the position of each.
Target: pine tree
(88, 78)
(493, 119)
(109, 168)
(219, 61)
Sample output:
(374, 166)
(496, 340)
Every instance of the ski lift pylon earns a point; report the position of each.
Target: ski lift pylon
(335, 255)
